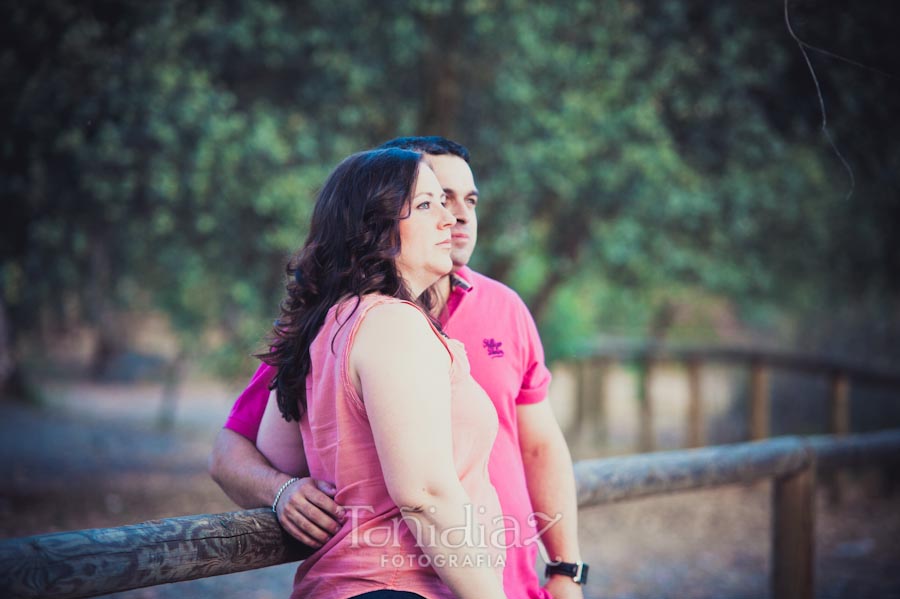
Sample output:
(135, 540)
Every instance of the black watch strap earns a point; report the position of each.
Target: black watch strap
(578, 571)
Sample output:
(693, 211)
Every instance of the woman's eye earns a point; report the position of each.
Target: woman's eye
(425, 205)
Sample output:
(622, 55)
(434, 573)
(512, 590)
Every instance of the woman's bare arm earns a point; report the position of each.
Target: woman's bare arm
(406, 389)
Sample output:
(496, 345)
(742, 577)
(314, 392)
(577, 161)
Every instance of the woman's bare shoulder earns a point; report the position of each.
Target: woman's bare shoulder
(395, 319)
(395, 330)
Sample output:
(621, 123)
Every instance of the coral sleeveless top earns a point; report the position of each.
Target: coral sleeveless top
(375, 548)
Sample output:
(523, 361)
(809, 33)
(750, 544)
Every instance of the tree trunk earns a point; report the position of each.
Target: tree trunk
(110, 337)
(13, 384)
(541, 300)
(442, 97)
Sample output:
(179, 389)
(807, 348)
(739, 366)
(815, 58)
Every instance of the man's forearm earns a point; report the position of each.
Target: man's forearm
(242, 471)
(551, 486)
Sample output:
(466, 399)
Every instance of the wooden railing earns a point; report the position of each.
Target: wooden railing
(592, 369)
(87, 563)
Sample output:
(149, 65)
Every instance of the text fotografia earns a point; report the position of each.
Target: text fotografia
(480, 560)
(501, 532)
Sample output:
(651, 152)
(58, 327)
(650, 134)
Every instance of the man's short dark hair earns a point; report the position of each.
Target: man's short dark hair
(432, 144)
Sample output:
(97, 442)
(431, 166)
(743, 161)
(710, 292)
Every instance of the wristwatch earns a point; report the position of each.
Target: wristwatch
(578, 571)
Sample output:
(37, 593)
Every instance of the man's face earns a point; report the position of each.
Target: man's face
(458, 183)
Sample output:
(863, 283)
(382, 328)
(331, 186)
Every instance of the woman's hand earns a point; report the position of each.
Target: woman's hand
(305, 508)
(307, 511)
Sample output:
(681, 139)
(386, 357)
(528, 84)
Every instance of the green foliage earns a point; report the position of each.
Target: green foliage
(630, 155)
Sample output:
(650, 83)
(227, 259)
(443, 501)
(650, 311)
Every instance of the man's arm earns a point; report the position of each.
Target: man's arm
(243, 473)
(551, 486)
(306, 509)
(235, 463)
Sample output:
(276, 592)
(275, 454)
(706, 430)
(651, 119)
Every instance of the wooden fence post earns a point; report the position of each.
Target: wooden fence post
(581, 394)
(696, 429)
(759, 401)
(839, 424)
(589, 428)
(840, 404)
(646, 441)
(600, 400)
(793, 527)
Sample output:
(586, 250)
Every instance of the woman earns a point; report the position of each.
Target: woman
(388, 411)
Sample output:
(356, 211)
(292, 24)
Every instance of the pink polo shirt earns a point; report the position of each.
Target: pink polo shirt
(507, 360)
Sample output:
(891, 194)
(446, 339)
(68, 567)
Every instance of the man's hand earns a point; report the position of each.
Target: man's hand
(307, 511)
(563, 587)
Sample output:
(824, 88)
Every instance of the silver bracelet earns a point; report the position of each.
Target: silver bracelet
(280, 491)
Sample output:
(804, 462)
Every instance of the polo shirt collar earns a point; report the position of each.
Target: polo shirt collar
(462, 280)
(460, 287)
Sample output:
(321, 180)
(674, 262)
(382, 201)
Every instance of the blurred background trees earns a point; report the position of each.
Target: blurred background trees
(647, 169)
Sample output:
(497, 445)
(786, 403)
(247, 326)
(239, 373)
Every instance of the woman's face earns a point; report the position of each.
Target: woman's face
(425, 240)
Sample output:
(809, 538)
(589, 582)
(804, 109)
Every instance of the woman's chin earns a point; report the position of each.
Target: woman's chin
(449, 266)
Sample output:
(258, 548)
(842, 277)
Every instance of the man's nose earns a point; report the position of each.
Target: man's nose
(459, 212)
(449, 219)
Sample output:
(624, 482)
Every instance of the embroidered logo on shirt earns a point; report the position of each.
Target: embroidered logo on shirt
(493, 348)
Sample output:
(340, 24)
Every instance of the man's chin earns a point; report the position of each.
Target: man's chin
(459, 261)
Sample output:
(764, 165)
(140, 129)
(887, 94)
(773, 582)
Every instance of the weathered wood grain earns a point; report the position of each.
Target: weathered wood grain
(85, 563)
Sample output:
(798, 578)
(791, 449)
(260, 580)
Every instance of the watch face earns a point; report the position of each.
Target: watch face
(577, 571)
(581, 576)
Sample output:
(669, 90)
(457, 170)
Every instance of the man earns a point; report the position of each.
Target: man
(530, 464)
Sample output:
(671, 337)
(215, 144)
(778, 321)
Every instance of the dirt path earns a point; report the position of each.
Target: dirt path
(94, 462)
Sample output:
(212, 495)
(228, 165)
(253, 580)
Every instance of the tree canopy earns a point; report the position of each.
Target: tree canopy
(630, 155)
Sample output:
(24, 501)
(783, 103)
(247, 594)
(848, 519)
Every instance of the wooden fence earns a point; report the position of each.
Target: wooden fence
(87, 563)
(593, 369)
